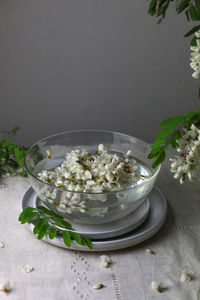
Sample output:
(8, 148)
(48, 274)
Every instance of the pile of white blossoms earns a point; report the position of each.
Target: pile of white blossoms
(83, 172)
(195, 56)
(187, 162)
(91, 174)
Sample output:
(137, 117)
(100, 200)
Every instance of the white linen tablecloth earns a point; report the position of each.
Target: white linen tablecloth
(61, 274)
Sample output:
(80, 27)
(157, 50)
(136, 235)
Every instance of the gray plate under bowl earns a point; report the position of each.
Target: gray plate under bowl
(154, 221)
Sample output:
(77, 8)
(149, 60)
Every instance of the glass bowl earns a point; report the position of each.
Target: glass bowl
(90, 208)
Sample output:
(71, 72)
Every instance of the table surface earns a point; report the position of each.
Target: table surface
(61, 274)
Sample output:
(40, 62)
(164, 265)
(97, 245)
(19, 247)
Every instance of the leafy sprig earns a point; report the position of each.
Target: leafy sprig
(169, 135)
(11, 155)
(47, 222)
(191, 8)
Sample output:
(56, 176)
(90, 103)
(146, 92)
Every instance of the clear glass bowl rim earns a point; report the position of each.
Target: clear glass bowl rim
(87, 193)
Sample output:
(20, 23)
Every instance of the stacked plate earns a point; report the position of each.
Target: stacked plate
(128, 231)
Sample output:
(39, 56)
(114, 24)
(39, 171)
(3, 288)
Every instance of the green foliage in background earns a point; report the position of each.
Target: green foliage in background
(11, 155)
(191, 8)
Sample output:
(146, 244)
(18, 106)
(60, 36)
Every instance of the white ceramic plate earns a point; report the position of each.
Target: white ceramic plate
(154, 221)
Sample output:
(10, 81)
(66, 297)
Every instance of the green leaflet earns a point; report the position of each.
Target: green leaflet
(40, 222)
(182, 5)
(76, 236)
(193, 13)
(152, 7)
(174, 138)
(159, 159)
(56, 218)
(67, 239)
(193, 41)
(152, 155)
(160, 20)
(187, 15)
(193, 30)
(157, 144)
(88, 242)
(197, 4)
(43, 231)
(53, 233)
(173, 121)
(163, 133)
(27, 214)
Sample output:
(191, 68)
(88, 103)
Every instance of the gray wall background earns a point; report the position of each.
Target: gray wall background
(91, 64)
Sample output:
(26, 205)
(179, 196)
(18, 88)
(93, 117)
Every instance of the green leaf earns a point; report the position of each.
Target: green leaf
(157, 143)
(53, 233)
(49, 212)
(156, 150)
(165, 8)
(166, 145)
(26, 211)
(193, 13)
(46, 210)
(67, 239)
(88, 242)
(197, 4)
(159, 21)
(161, 2)
(76, 236)
(173, 121)
(6, 143)
(43, 230)
(62, 223)
(159, 159)
(174, 138)
(187, 15)
(27, 214)
(39, 224)
(189, 115)
(56, 218)
(193, 30)
(164, 132)
(193, 41)
(152, 155)
(152, 7)
(182, 5)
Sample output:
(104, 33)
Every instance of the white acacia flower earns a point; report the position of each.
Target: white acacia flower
(2, 245)
(105, 261)
(188, 161)
(185, 276)
(27, 269)
(149, 251)
(98, 286)
(102, 149)
(156, 286)
(5, 286)
(195, 56)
